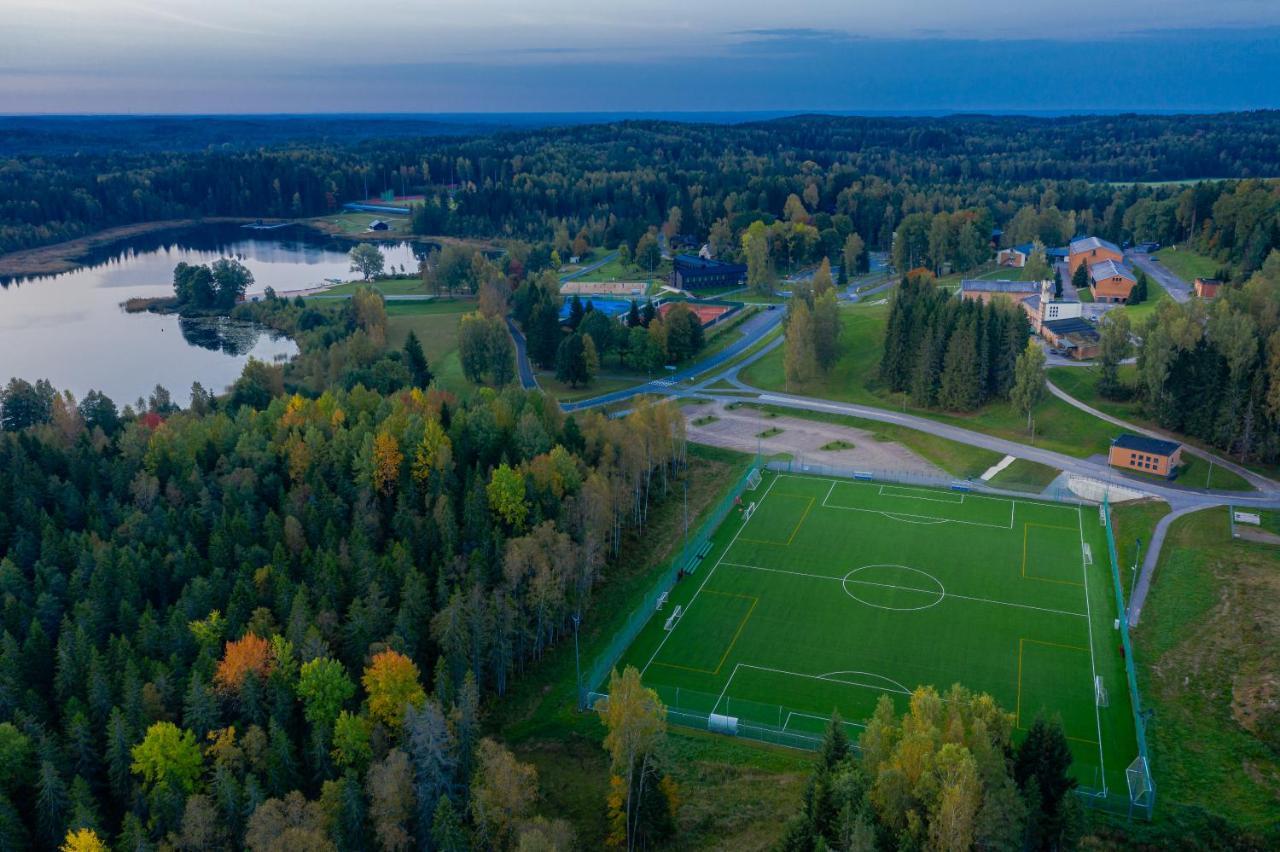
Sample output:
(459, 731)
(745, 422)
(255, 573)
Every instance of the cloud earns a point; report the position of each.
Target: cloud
(176, 17)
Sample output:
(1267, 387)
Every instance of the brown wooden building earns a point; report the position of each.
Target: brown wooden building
(1110, 281)
(1091, 250)
(1148, 455)
(1207, 288)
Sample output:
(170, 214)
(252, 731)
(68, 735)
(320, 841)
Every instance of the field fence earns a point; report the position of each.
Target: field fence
(604, 662)
(802, 464)
(780, 725)
(1147, 799)
(772, 724)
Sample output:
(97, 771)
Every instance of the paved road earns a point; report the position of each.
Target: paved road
(1257, 481)
(751, 330)
(1180, 290)
(587, 270)
(528, 380)
(1138, 595)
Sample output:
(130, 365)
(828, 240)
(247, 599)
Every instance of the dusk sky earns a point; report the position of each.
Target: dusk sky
(288, 56)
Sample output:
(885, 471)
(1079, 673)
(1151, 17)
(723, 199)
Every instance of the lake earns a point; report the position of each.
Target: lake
(70, 328)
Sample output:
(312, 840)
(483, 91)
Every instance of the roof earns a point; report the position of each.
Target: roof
(1209, 282)
(1049, 251)
(1071, 325)
(694, 262)
(982, 285)
(1091, 243)
(1143, 444)
(1110, 269)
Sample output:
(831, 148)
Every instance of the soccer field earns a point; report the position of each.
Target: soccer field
(835, 592)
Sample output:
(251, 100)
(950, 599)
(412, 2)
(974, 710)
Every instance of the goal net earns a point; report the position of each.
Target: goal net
(673, 617)
(1142, 791)
(1100, 692)
(751, 510)
(1088, 555)
(662, 599)
(753, 479)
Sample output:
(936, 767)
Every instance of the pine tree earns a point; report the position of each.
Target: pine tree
(416, 361)
(571, 361)
(961, 388)
(576, 312)
(1080, 278)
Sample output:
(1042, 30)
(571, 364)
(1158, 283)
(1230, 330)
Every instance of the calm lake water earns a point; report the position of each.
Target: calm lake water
(72, 330)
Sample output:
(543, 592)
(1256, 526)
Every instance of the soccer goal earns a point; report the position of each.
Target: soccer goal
(750, 510)
(753, 479)
(1142, 790)
(1100, 692)
(662, 600)
(673, 617)
(1088, 555)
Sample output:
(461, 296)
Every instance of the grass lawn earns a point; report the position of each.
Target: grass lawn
(1081, 382)
(836, 592)
(735, 794)
(1059, 426)
(1186, 264)
(358, 223)
(1133, 521)
(1208, 650)
(1138, 314)
(616, 270)
(958, 460)
(436, 324)
(1023, 475)
(397, 286)
(1086, 295)
(601, 384)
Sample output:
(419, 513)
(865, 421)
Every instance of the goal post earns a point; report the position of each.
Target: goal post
(1142, 790)
(753, 479)
(1100, 692)
(674, 617)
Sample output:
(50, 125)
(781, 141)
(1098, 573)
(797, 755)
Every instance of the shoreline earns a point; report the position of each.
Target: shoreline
(69, 255)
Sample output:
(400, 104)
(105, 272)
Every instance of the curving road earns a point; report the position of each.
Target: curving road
(697, 380)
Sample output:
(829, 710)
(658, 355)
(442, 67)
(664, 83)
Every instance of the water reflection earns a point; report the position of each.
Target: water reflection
(70, 328)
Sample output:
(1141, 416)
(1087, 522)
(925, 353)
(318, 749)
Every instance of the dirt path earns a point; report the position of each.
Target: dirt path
(740, 429)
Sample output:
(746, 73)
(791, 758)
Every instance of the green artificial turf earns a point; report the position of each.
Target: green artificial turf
(836, 592)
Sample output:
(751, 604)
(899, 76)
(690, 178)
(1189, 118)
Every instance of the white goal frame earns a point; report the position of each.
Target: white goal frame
(753, 479)
(673, 617)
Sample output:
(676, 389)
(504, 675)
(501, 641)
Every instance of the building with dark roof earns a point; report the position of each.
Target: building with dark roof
(985, 290)
(1074, 336)
(1146, 454)
(689, 272)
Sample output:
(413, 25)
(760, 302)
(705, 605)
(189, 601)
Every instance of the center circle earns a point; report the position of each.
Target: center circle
(888, 578)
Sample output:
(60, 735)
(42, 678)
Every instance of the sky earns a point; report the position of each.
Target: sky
(316, 56)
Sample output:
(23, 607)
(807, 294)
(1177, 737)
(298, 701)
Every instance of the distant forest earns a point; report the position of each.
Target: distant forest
(615, 181)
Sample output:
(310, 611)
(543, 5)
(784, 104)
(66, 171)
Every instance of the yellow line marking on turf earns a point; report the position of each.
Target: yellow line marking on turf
(682, 668)
(1017, 716)
(1026, 534)
(801, 521)
(741, 625)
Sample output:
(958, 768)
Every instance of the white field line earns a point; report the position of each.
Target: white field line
(996, 468)
(791, 713)
(716, 706)
(903, 588)
(706, 580)
(910, 496)
(896, 688)
(1097, 714)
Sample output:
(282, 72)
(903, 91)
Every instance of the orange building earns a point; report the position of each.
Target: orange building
(1207, 288)
(1148, 455)
(1110, 281)
(1091, 250)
